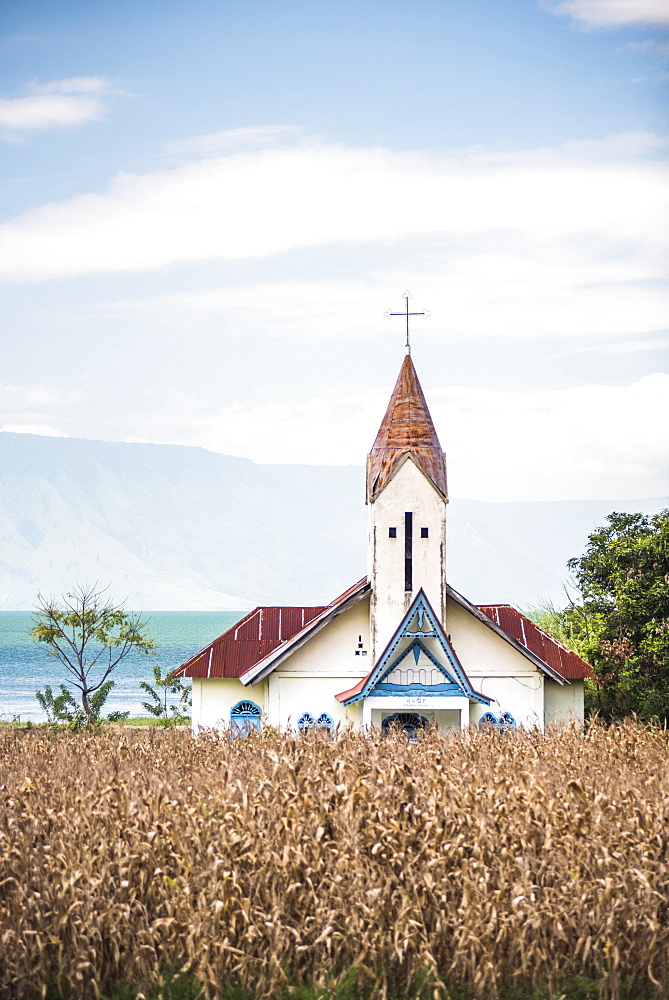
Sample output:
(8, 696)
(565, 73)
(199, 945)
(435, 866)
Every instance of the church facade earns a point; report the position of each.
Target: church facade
(400, 649)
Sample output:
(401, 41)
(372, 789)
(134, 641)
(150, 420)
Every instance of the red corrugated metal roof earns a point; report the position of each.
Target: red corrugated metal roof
(254, 637)
(267, 663)
(248, 641)
(557, 656)
(264, 629)
(406, 429)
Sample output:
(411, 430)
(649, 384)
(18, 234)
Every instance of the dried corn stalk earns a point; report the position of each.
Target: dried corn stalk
(472, 863)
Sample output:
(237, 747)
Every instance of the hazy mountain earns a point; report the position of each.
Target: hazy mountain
(180, 528)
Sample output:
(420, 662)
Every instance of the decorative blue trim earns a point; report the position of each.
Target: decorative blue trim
(505, 723)
(419, 647)
(246, 709)
(325, 721)
(305, 722)
(245, 716)
(418, 690)
(421, 610)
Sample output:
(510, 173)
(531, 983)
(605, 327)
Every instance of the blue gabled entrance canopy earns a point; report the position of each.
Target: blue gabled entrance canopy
(425, 634)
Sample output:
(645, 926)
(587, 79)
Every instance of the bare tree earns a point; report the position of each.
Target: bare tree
(90, 635)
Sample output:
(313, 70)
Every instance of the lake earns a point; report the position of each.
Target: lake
(25, 666)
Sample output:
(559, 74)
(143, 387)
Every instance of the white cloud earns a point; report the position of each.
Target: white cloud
(36, 396)
(520, 290)
(305, 311)
(234, 139)
(256, 203)
(73, 85)
(613, 13)
(45, 430)
(30, 409)
(584, 441)
(576, 443)
(626, 347)
(58, 104)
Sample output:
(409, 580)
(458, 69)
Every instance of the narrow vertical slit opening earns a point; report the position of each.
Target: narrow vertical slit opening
(408, 551)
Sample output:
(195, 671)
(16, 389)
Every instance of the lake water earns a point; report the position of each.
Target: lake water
(26, 668)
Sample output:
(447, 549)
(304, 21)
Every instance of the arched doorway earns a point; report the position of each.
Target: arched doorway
(408, 723)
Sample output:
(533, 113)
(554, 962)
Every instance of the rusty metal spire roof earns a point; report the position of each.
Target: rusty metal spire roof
(406, 431)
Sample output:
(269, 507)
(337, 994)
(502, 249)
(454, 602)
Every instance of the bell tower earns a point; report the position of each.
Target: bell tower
(407, 497)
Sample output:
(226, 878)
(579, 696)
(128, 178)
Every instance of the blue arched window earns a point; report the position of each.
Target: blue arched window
(245, 716)
(305, 722)
(507, 722)
(325, 723)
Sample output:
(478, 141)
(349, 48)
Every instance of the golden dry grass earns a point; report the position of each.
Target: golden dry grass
(480, 861)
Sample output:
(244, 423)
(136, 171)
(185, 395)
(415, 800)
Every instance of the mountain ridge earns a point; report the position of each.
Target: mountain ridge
(174, 527)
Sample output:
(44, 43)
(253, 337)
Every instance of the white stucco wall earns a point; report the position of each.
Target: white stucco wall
(408, 671)
(314, 695)
(496, 669)
(563, 704)
(328, 664)
(214, 697)
(332, 661)
(408, 490)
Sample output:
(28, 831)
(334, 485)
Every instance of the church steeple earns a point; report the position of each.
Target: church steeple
(406, 429)
(406, 493)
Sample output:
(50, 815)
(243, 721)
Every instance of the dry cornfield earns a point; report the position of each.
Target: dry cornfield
(474, 863)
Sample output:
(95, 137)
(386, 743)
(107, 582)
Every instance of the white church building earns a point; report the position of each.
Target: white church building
(400, 648)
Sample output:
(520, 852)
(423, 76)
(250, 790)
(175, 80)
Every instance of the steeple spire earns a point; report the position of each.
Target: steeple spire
(406, 429)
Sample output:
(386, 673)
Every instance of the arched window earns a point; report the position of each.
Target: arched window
(245, 716)
(325, 723)
(507, 722)
(305, 722)
(487, 719)
(404, 722)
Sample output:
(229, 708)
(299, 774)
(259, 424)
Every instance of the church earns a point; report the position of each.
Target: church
(400, 649)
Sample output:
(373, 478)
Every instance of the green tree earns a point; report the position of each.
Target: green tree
(170, 685)
(621, 624)
(90, 636)
(63, 708)
(60, 707)
(567, 625)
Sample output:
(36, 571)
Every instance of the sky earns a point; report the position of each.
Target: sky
(207, 208)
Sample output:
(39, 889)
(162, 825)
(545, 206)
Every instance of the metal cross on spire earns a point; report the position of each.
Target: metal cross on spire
(388, 313)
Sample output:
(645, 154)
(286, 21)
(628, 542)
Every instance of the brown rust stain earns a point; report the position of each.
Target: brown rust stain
(251, 639)
(255, 636)
(406, 429)
(568, 664)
